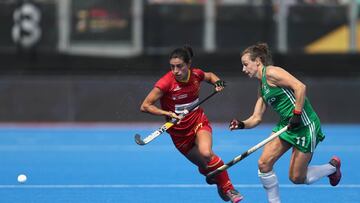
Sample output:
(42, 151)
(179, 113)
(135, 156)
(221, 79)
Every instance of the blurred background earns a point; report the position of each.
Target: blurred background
(96, 60)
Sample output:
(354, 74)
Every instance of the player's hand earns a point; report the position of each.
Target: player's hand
(236, 124)
(219, 85)
(295, 120)
(174, 115)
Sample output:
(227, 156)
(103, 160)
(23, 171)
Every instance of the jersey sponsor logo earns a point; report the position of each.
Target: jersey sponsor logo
(182, 96)
(177, 88)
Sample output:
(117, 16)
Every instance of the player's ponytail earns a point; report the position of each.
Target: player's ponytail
(261, 51)
(188, 48)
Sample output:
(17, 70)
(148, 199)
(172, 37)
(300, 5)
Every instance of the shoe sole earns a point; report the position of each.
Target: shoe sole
(337, 174)
(239, 200)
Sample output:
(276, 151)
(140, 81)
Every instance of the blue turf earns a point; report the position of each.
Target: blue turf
(101, 163)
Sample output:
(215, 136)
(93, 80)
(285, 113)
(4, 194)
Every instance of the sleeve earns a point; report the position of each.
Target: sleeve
(163, 84)
(199, 73)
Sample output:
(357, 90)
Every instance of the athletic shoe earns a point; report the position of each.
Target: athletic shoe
(234, 196)
(222, 194)
(335, 178)
(231, 194)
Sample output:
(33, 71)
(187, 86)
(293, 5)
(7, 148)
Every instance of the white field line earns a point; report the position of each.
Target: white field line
(83, 186)
(131, 148)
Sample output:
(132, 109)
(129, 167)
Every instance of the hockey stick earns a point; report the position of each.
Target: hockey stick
(224, 167)
(168, 124)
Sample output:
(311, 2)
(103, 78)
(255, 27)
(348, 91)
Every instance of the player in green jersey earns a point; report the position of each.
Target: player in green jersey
(287, 96)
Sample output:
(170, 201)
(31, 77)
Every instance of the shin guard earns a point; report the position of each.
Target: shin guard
(222, 180)
(271, 185)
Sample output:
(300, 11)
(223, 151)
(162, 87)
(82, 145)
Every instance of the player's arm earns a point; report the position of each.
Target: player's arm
(148, 105)
(215, 80)
(254, 120)
(281, 78)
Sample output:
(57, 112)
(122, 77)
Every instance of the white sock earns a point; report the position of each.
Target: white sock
(314, 173)
(271, 185)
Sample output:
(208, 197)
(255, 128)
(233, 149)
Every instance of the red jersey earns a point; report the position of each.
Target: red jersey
(179, 96)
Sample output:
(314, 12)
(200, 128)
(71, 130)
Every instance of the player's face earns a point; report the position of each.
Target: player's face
(179, 68)
(249, 66)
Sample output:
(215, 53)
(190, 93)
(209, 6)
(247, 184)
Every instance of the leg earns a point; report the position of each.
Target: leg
(271, 153)
(299, 166)
(301, 173)
(203, 156)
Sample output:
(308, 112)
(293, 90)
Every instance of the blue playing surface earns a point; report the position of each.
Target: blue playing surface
(102, 163)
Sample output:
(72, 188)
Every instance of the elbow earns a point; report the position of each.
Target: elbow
(304, 88)
(255, 120)
(143, 108)
(301, 87)
(258, 120)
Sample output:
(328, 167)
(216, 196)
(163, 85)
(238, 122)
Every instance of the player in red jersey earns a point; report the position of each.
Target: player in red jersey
(178, 90)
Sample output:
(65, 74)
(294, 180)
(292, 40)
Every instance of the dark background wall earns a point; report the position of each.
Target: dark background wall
(115, 95)
(43, 83)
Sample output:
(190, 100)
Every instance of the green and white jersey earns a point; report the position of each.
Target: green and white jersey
(282, 100)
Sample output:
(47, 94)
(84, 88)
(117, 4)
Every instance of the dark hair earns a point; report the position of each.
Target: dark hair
(260, 50)
(185, 53)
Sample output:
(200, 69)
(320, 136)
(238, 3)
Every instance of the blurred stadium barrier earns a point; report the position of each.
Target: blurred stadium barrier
(95, 60)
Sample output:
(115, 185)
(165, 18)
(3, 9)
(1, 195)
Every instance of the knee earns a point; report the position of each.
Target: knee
(265, 165)
(297, 179)
(207, 155)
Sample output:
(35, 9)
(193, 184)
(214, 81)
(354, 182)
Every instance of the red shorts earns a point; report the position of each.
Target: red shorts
(183, 135)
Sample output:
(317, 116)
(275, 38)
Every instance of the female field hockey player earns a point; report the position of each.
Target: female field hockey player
(177, 91)
(286, 95)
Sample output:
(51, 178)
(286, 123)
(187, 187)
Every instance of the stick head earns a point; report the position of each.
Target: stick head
(138, 140)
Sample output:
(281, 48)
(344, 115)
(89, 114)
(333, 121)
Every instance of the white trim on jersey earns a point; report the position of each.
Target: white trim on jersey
(305, 118)
(180, 108)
